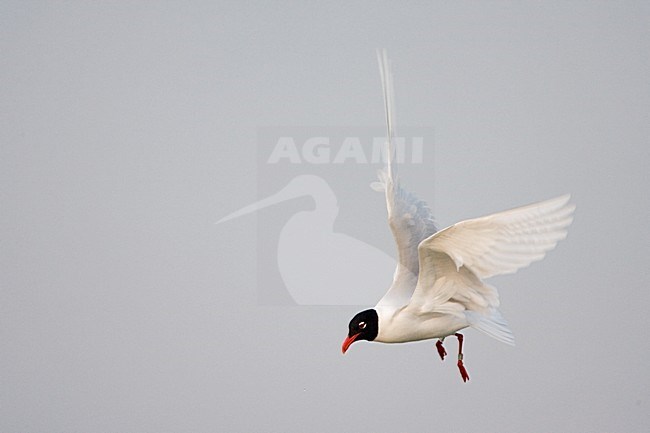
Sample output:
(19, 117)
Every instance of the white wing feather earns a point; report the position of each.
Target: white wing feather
(454, 261)
(506, 241)
(409, 218)
(483, 247)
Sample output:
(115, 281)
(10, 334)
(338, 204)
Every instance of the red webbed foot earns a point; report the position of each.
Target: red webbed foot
(461, 366)
(441, 350)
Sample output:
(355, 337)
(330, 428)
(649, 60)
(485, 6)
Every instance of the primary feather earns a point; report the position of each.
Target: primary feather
(409, 218)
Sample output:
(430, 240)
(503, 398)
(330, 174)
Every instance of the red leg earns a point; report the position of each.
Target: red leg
(441, 350)
(461, 367)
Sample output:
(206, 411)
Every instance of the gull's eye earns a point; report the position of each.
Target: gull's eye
(362, 325)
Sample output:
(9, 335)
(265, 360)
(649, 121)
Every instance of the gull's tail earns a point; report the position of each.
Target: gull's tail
(492, 324)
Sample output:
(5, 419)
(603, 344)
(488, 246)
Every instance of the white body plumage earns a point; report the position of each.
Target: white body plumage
(438, 286)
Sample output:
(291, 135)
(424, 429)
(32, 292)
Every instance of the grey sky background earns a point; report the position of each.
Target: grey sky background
(128, 129)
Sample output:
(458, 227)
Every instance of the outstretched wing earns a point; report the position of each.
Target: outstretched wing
(455, 260)
(409, 218)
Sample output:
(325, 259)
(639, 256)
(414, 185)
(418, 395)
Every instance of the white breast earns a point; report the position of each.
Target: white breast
(402, 325)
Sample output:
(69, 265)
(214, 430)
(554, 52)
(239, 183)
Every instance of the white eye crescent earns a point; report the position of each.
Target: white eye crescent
(362, 325)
